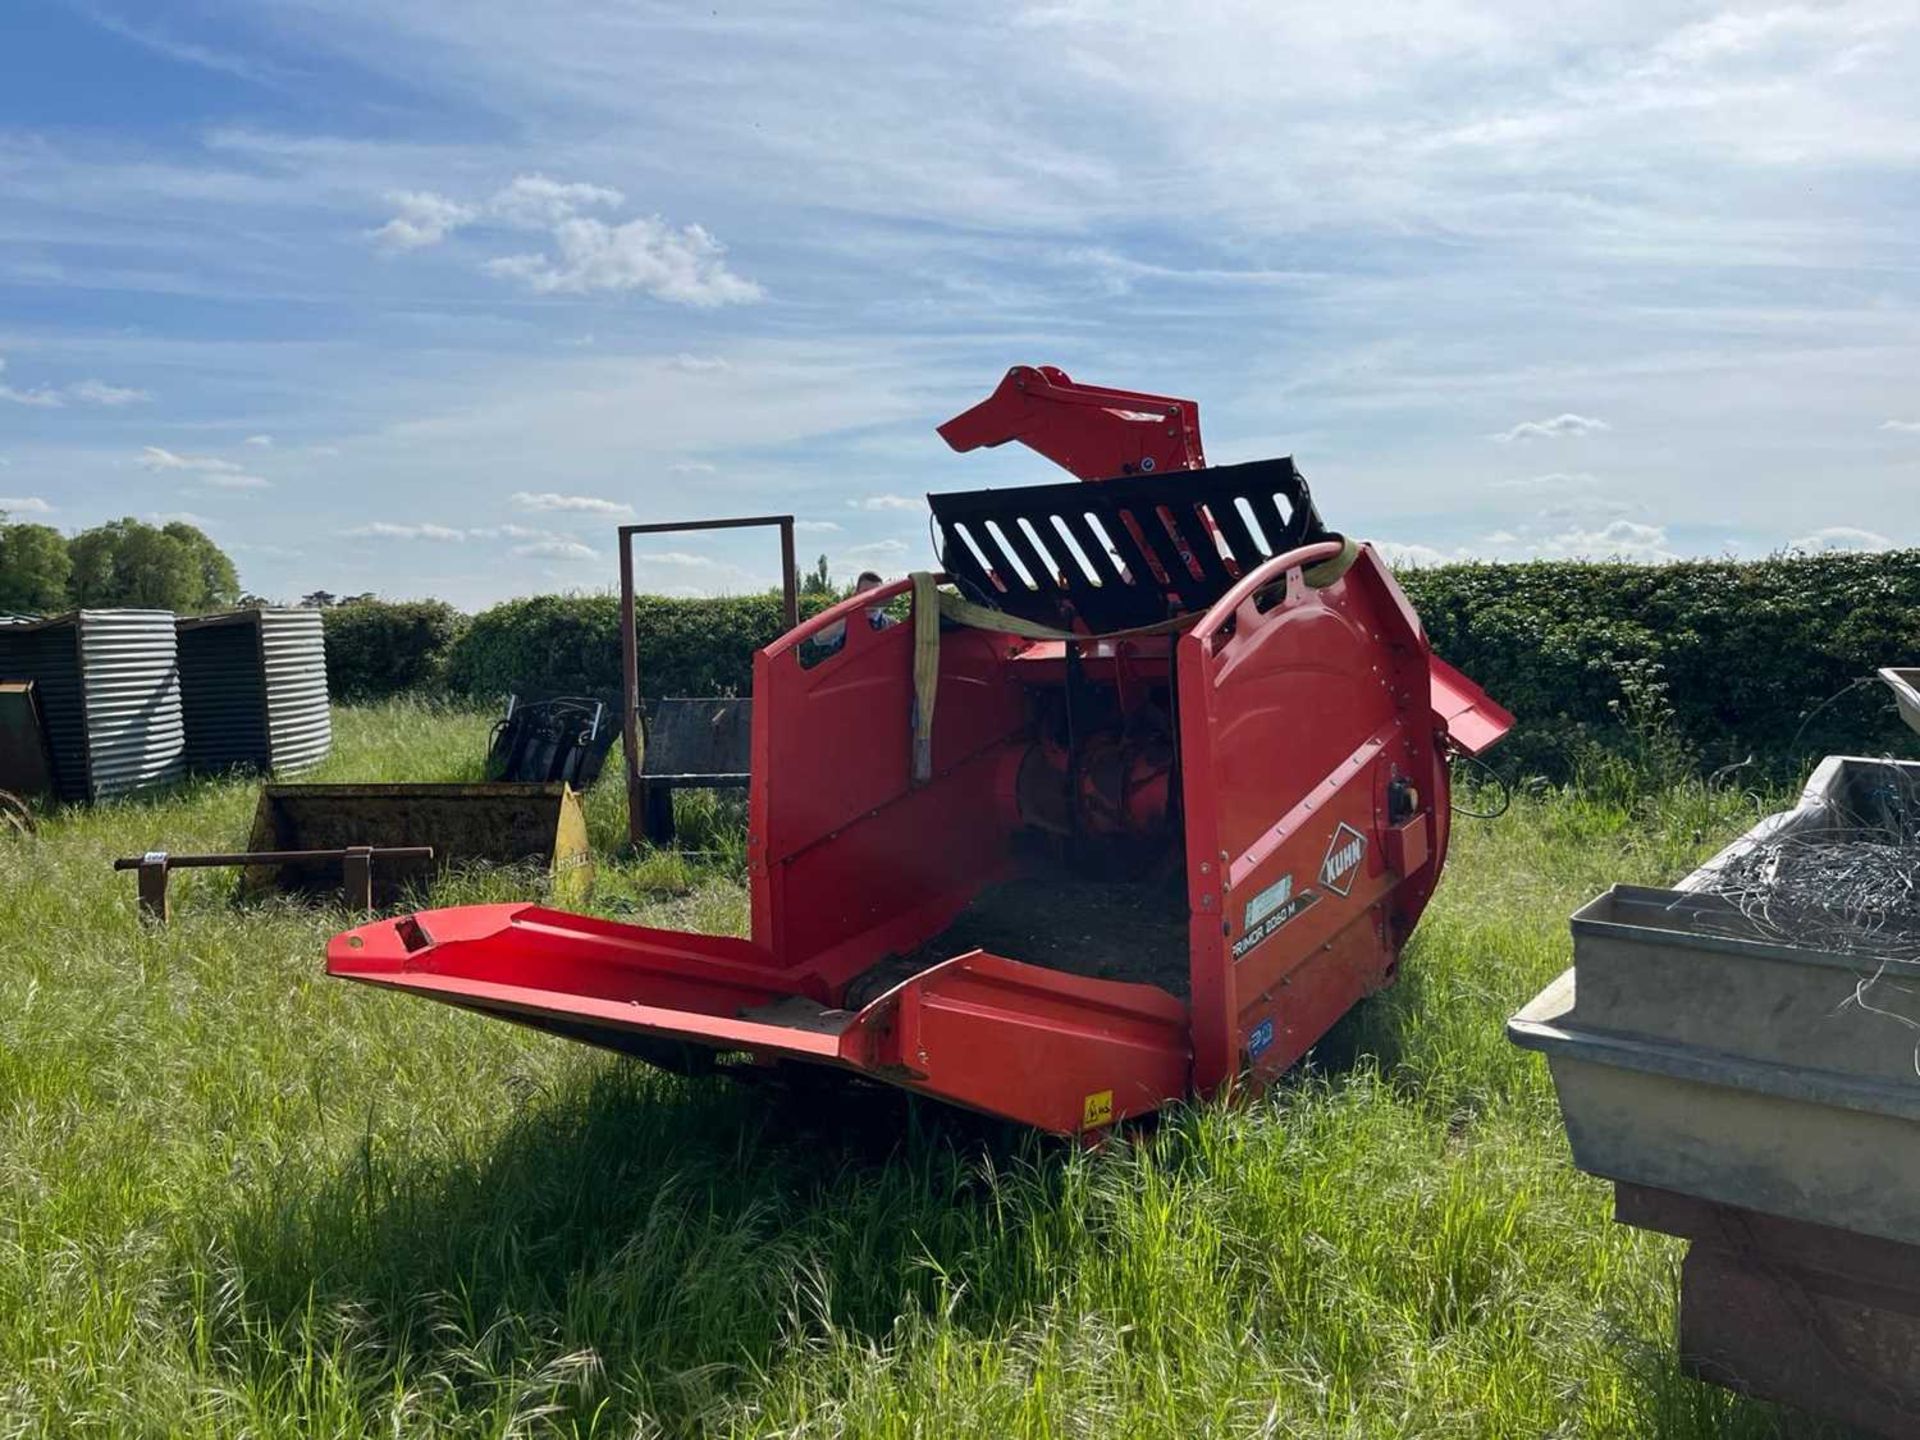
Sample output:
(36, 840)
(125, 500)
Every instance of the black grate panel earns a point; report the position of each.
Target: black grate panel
(1158, 557)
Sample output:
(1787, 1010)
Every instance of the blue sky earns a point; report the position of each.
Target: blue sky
(425, 297)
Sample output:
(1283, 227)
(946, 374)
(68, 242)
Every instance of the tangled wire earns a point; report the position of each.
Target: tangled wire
(1846, 881)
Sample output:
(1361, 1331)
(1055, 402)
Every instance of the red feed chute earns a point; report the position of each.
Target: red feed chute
(1176, 843)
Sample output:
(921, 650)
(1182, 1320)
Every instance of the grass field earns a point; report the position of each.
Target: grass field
(237, 1198)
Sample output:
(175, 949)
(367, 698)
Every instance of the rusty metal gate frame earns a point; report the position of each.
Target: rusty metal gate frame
(632, 721)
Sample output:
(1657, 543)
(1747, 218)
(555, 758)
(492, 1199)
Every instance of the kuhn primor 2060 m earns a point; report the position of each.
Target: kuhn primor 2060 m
(1148, 794)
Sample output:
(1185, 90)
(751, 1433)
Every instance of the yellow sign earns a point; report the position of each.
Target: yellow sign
(1097, 1110)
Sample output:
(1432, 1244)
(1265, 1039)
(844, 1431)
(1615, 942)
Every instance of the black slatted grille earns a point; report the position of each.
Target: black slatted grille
(1126, 552)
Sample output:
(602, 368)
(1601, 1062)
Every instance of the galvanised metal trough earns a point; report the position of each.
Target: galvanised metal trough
(1761, 1097)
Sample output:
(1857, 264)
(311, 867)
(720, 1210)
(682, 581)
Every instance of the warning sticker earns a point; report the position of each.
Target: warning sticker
(1096, 1109)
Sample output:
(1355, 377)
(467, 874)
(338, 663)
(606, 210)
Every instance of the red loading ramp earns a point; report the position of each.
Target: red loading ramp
(1056, 1051)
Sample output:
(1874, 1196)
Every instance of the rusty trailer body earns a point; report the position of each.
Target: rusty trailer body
(1059, 876)
(536, 825)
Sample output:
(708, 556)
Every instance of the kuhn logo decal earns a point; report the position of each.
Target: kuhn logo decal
(1344, 853)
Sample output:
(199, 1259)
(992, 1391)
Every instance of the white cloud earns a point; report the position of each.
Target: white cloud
(184, 517)
(697, 363)
(40, 397)
(1403, 556)
(1559, 480)
(208, 470)
(1911, 427)
(424, 219)
(535, 202)
(691, 467)
(24, 505)
(98, 392)
(152, 457)
(1617, 540)
(1560, 427)
(877, 550)
(1842, 537)
(816, 527)
(557, 550)
(387, 530)
(681, 557)
(265, 442)
(685, 266)
(584, 504)
(888, 502)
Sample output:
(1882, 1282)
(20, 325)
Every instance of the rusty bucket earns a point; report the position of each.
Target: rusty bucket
(466, 823)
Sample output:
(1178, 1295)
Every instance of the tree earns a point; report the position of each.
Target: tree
(34, 567)
(222, 584)
(176, 567)
(815, 581)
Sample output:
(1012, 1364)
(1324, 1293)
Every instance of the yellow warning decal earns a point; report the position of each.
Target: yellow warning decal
(1097, 1110)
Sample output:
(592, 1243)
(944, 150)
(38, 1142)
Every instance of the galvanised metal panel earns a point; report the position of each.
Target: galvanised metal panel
(255, 684)
(48, 652)
(224, 692)
(130, 678)
(293, 648)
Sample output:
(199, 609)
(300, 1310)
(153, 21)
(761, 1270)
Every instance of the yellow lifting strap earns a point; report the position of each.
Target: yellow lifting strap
(931, 605)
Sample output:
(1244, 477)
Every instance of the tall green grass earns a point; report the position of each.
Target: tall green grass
(239, 1198)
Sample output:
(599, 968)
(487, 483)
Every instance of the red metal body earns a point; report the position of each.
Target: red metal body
(1087, 429)
(1300, 783)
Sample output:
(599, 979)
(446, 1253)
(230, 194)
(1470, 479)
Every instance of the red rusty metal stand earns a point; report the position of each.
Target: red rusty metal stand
(646, 802)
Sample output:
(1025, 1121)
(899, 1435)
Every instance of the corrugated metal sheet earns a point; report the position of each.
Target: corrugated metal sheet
(109, 690)
(299, 718)
(49, 654)
(130, 673)
(255, 683)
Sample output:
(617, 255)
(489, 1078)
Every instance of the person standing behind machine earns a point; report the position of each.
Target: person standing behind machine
(829, 640)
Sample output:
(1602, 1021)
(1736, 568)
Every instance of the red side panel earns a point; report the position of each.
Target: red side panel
(1473, 721)
(848, 858)
(1057, 1051)
(1296, 722)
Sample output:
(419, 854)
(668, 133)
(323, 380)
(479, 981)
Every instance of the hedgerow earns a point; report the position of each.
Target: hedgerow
(1720, 659)
(570, 644)
(377, 648)
(1681, 666)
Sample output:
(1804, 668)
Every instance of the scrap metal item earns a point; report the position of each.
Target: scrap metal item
(108, 687)
(254, 686)
(564, 738)
(1055, 873)
(649, 806)
(16, 816)
(540, 826)
(26, 766)
(1809, 1315)
(356, 870)
(1905, 684)
(692, 744)
(1738, 1055)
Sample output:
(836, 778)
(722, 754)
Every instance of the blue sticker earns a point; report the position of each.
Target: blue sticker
(1260, 1038)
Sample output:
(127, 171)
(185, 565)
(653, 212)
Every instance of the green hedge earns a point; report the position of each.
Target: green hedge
(570, 644)
(377, 648)
(1719, 659)
(1701, 663)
